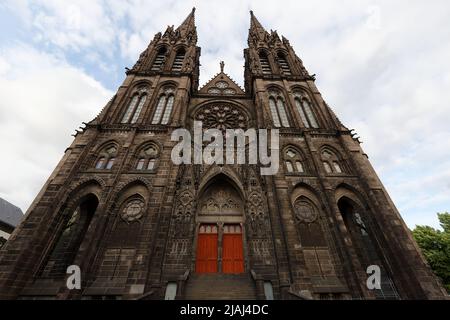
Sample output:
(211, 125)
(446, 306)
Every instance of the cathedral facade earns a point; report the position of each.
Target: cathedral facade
(140, 226)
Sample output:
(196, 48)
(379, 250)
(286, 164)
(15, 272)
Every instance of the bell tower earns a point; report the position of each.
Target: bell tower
(326, 180)
(171, 57)
(172, 53)
(270, 59)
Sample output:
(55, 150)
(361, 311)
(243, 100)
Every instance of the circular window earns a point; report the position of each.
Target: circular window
(229, 91)
(304, 212)
(222, 116)
(133, 211)
(214, 91)
(222, 84)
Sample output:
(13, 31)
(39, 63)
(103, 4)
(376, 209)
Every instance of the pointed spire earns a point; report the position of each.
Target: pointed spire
(256, 32)
(188, 25)
(255, 25)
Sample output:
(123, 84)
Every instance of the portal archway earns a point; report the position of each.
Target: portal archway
(220, 232)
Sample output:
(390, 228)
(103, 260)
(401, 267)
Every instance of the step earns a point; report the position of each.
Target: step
(220, 287)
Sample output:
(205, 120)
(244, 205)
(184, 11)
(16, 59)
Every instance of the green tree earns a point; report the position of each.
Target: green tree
(435, 245)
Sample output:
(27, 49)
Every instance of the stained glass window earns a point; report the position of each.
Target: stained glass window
(151, 164)
(282, 112)
(140, 164)
(331, 162)
(164, 107)
(131, 106)
(168, 110)
(110, 163)
(299, 166)
(294, 160)
(305, 109)
(273, 111)
(327, 167)
(100, 163)
(289, 166)
(159, 110)
(139, 109)
(147, 158)
(302, 113)
(310, 114)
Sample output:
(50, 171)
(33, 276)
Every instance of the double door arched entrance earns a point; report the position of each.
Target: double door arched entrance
(220, 249)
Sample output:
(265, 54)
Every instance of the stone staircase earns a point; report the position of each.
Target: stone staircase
(220, 287)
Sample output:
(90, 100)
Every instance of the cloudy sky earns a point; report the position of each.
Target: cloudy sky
(384, 67)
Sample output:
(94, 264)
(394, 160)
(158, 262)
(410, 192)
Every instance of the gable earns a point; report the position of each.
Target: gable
(221, 85)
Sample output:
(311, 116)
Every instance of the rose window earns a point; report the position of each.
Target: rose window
(133, 210)
(304, 212)
(222, 117)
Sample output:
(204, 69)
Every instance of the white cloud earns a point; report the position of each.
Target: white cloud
(382, 65)
(43, 100)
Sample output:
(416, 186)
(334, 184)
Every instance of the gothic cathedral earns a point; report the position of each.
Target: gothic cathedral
(139, 226)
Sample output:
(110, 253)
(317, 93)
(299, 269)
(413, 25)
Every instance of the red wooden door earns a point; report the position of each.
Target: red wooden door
(207, 249)
(232, 250)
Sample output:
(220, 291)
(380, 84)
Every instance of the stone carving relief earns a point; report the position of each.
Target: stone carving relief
(183, 214)
(257, 218)
(133, 210)
(221, 201)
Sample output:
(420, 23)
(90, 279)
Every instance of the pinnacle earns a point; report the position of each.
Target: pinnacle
(255, 25)
(189, 23)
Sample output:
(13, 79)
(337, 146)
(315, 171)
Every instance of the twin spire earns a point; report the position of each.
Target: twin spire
(188, 26)
(186, 34)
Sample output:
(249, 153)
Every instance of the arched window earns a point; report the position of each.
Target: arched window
(264, 61)
(164, 106)
(135, 106)
(284, 66)
(274, 112)
(278, 109)
(69, 238)
(304, 108)
(318, 258)
(159, 59)
(289, 166)
(331, 162)
(100, 163)
(140, 164)
(146, 159)
(106, 158)
(366, 248)
(178, 61)
(306, 214)
(294, 160)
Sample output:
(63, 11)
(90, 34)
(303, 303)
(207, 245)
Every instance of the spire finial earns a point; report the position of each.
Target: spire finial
(255, 25)
(188, 25)
(222, 65)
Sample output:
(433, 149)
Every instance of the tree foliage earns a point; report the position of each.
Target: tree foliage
(435, 245)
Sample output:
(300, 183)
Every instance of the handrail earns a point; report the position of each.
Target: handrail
(298, 295)
(185, 276)
(145, 295)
